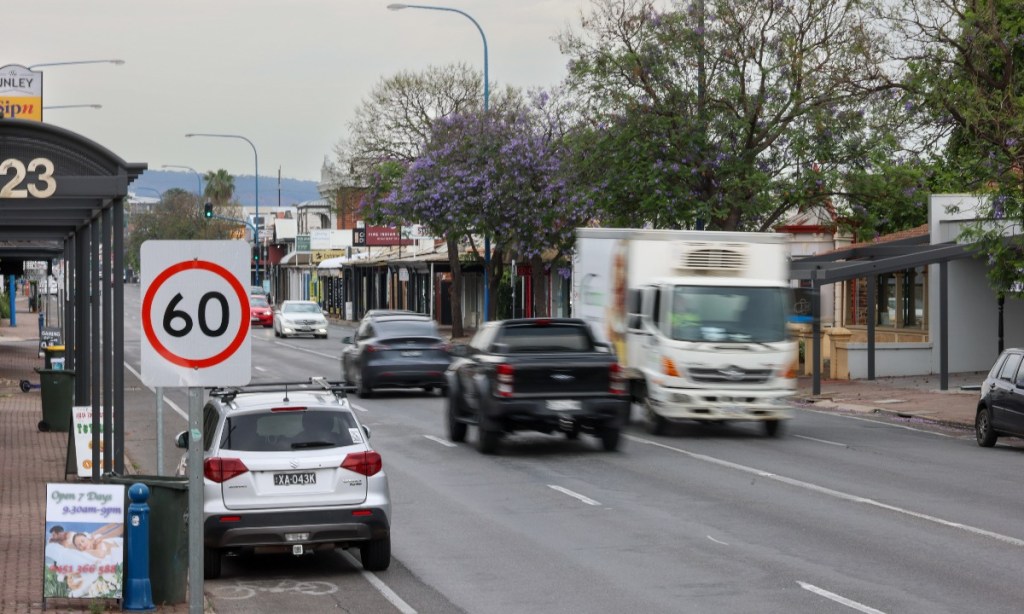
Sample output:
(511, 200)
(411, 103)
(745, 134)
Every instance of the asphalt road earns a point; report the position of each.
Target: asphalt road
(841, 514)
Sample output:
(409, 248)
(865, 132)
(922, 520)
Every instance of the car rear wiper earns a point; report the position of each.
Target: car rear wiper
(313, 444)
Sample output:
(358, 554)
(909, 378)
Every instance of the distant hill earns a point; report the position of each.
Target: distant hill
(293, 191)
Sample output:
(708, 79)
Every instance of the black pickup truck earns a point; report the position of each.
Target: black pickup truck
(538, 374)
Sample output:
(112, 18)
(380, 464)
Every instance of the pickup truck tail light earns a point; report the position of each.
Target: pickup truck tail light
(506, 380)
(617, 383)
(365, 463)
(223, 469)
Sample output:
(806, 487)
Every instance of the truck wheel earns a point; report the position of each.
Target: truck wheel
(610, 439)
(487, 440)
(773, 428)
(456, 429)
(656, 424)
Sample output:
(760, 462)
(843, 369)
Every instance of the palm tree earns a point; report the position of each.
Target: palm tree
(220, 186)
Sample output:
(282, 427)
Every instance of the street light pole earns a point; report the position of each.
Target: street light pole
(199, 178)
(72, 106)
(487, 95)
(256, 158)
(117, 62)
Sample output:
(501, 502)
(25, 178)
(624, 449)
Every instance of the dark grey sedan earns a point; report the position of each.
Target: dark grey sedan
(1001, 406)
(395, 351)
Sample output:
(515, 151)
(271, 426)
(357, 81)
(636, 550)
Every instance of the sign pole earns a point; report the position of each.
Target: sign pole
(195, 500)
(159, 430)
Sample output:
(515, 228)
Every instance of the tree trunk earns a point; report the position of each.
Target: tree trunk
(540, 287)
(456, 288)
(494, 280)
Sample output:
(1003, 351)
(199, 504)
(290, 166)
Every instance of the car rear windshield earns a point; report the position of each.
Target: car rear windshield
(546, 338)
(284, 431)
(258, 301)
(406, 328)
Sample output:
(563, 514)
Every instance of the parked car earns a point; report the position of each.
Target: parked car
(541, 374)
(287, 468)
(260, 311)
(395, 350)
(299, 318)
(1001, 406)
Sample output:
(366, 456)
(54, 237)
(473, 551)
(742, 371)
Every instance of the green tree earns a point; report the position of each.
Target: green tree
(220, 187)
(963, 73)
(728, 118)
(178, 216)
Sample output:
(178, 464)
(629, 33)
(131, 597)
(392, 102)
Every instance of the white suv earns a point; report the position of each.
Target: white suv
(287, 468)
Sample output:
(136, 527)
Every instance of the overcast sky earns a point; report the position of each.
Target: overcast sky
(286, 74)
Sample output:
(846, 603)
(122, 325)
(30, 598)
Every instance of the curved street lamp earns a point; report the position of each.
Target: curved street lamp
(72, 106)
(199, 178)
(256, 230)
(487, 238)
(117, 62)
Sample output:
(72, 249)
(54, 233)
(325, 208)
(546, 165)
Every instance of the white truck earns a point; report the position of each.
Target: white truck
(698, 320)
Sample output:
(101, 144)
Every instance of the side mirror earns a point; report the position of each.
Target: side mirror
(459, 349)
(181, 441)
(500, 348)
(366, 431)
(601, 346)
(346, 340)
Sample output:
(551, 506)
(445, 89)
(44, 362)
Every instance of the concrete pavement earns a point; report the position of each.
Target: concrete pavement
(30, 458)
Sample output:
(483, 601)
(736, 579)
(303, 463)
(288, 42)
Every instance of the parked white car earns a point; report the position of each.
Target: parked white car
(299, 318)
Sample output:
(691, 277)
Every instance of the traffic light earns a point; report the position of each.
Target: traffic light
(208, 211)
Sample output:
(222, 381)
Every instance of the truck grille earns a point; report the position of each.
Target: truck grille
(731, 375)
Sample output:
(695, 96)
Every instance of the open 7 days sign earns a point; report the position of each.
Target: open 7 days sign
(195, 313)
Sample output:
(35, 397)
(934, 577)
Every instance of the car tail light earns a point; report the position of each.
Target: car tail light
(373, 347)
(223, 469)
(668, 367)
(506, 379)
(444, 347)
(366, 463)
(616, 381)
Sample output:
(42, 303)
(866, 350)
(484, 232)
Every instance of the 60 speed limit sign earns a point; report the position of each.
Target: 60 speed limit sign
(195, 313)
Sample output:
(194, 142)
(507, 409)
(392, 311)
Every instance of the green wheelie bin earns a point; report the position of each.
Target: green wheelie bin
(57, 389)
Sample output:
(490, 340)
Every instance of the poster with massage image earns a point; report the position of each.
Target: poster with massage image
(84, 544)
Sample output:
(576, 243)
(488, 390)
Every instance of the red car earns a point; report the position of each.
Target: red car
(260, 311)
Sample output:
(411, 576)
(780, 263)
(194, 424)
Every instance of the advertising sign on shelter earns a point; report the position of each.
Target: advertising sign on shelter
(21, 93)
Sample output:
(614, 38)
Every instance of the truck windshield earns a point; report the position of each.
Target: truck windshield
(730, 314)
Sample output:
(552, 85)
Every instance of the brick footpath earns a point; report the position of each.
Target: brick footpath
(28, 460)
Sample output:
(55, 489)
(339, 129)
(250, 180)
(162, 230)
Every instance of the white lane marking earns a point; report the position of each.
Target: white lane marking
(443, 442)
(382, 588)
(1013, 541)
(357, 407)
(717, 541)
(302, 349)
(258, 368)
(897, 426)
(181, 412)
(860, 607)
(575, 495)
(831, 443)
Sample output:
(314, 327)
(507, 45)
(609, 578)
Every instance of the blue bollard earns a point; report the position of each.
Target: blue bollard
(138, 593)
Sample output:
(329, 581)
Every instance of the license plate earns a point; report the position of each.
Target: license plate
(563, 405)
(296, 537)
(411, 353)
(294, 479)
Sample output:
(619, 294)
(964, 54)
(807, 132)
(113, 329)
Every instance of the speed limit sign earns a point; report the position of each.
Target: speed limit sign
(195, 313)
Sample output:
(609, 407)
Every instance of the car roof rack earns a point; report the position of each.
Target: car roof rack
(313, 384)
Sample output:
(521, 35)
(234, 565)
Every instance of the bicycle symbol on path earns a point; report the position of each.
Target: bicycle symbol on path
(243, 589)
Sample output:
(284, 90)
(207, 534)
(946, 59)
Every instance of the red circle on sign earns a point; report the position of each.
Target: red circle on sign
(147, 306)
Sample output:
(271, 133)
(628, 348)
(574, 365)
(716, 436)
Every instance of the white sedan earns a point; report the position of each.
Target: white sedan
(299, 318)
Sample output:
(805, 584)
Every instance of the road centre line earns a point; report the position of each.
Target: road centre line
(181, 412)
(302, 349)
(1006, 539)
(357, 407)
(378, 584)
(443, 442)
(575, 495)
(860, 607)
(717, 541)
(831, 443)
